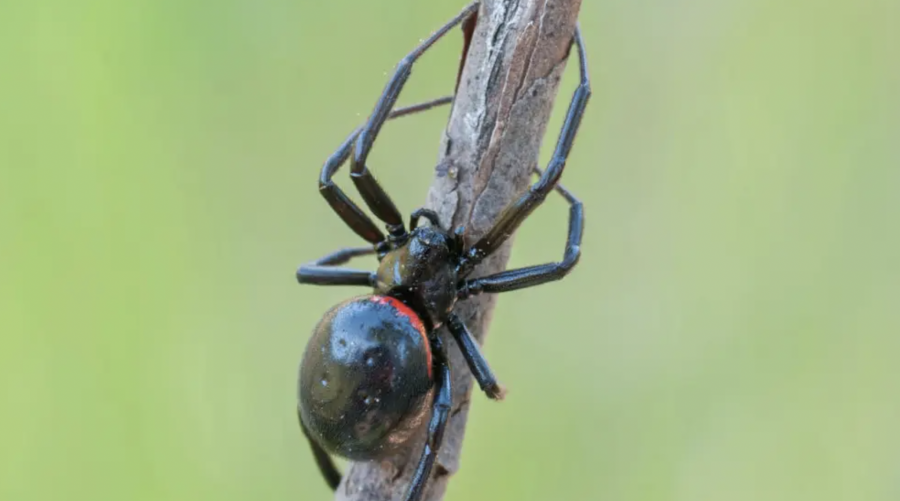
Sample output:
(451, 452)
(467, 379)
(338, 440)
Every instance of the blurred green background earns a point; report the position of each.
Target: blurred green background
(731, 332)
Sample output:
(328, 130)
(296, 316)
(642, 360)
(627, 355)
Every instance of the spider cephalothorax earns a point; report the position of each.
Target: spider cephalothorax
(375, 366)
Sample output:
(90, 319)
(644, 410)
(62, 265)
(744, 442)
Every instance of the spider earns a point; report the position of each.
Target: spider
(375, 365)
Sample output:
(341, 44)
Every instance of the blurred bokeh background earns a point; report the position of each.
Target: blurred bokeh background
(731, 333)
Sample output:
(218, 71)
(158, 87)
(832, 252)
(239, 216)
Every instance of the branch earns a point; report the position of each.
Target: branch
(506, 91)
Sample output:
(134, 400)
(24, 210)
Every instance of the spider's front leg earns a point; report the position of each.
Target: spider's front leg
(348, 211)
(516, 212)
(372, 192)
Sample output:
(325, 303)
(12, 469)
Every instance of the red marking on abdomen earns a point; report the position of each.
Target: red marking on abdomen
(407, 313)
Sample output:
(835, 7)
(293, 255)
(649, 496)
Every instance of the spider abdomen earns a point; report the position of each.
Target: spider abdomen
(365, 377)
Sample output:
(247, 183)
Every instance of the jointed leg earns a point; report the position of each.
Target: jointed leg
(323, 461)
(516, 212)
(440, 411)
(323, 271)
(416, 108)
(535, 275)
(372, 193)
(477, 364)
(352, 215)
(348, 211)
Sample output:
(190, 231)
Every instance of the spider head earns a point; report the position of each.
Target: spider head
(422, 272)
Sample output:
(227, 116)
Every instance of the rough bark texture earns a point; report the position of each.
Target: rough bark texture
(506, 93)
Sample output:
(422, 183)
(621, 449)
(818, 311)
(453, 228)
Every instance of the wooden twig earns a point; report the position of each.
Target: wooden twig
(508, 84)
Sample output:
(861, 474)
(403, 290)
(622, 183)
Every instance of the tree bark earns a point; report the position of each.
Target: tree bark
(509, 81)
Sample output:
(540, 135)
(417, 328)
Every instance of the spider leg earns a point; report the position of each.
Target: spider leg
(535, 275)
(472, 353)
(440, 412)
(348, 211)
(372, 192)
(517, 211)
(323, 271)
(352, 215)
(323, 461)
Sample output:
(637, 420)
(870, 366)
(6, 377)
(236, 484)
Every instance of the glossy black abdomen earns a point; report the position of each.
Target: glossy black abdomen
(365, 378)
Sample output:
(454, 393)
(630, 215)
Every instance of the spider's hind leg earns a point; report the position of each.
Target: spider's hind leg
(326, 466)
(440, 412)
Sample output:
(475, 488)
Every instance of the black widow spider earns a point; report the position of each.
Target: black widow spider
(375, 361)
